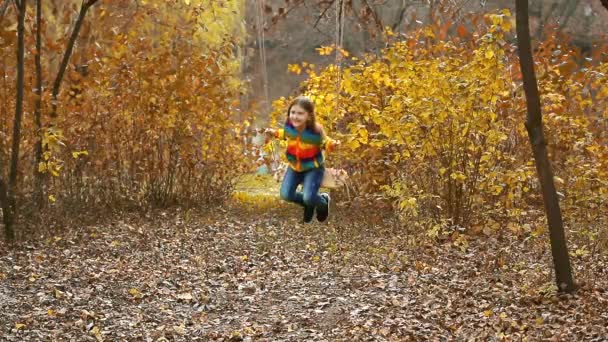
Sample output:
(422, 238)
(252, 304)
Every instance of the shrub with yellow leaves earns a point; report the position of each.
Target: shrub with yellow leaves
(437, 126)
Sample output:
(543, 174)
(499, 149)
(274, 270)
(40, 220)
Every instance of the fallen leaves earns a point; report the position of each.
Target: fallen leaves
(235, 276)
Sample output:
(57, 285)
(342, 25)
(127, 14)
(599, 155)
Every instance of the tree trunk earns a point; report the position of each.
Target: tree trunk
(534, 125)
(38, 176)
(9, 208)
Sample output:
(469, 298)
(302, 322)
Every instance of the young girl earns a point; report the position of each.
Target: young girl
(305, 140)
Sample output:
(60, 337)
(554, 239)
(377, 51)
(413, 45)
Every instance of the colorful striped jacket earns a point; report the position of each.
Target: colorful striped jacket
(304, 148)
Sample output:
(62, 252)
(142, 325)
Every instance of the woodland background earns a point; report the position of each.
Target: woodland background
(123, 219)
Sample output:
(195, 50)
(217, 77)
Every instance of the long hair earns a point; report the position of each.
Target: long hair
(305, 103)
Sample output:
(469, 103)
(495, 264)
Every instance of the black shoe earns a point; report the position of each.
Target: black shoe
(323, 212)
(309, 213)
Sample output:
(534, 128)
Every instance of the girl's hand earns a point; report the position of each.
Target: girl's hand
(269, 133)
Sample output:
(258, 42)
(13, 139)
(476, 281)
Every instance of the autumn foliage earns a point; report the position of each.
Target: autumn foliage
(435, 124)
(148, 112)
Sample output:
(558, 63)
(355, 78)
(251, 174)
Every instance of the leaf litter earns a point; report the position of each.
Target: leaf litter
(241, 275)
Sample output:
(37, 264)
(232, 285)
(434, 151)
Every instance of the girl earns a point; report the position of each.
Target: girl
(305, 140)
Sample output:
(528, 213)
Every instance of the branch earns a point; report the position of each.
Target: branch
(68, 53)
(375, 15)
(90, 3)
(3, 9)
(325, 11)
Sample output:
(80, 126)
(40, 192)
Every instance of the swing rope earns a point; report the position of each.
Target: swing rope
(260, 24)
(340, 9)
(339, 40)
(262, 48)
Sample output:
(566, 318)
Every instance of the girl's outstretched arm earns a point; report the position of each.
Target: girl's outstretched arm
(328, 143)
(271, 133)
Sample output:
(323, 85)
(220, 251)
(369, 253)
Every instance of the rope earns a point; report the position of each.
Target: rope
(339, 42)
(260, 5)
(262, 48)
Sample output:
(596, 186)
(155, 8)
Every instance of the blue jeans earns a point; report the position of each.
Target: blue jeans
(309, 198)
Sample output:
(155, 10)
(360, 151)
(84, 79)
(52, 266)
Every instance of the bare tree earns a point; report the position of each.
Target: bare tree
(8, 190)
(38, 194)
(534, 126)
(41, 178)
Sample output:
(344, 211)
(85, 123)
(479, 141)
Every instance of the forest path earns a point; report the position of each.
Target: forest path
(241, 274)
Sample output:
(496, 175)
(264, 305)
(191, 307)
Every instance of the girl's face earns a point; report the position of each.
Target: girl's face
(298, 117)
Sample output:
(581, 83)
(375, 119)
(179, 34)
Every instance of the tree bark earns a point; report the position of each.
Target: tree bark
(534, 126)
(38, 176)
(9, 209)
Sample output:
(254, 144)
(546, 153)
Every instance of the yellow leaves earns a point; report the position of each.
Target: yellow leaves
(95, 331)
(78, 154)
(503, 21)
(19, 326)
(294, 68)
(409, 206)
(344, 53)
(539, 230)
(325, 50)
(353, 144)
(454, 110)
(458, 176)
(52, 198)
(135, 293)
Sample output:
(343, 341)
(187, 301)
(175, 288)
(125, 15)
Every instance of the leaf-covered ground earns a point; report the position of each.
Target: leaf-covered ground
(236, 275)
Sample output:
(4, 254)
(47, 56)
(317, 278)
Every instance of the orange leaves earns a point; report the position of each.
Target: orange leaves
(462, 31)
